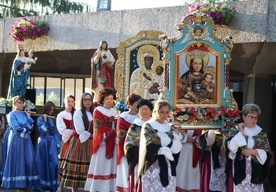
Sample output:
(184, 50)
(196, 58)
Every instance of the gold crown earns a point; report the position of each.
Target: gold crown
(20, 46)
(148, 55)
(197, 54)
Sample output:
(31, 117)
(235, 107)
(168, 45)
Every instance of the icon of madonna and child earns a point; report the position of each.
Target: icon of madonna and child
(197, 77)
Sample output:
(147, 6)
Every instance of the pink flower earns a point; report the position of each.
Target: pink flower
(28, 29)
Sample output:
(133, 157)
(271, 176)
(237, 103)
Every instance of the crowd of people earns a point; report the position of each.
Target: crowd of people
(98, 149)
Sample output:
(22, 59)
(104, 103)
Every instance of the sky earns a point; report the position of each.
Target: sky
(134, 4)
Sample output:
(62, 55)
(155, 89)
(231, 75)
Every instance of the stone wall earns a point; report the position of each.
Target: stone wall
(254, 22)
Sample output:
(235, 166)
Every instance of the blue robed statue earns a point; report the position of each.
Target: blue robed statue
(20, 73)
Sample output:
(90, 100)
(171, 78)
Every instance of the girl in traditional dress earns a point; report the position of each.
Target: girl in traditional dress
(102, 169)
(20, 169)
(65, 128)
(249, 149)
(159, 141)
(76, 161)
(123, 124)
(132, 141)
(47, 149)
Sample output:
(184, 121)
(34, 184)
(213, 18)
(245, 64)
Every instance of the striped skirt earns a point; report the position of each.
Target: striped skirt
(76, 162)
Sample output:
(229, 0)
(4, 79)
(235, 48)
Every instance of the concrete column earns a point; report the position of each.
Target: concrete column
(257, 90)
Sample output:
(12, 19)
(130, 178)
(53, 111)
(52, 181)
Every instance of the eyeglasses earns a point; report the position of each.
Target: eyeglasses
(252, 117)
(87, 100)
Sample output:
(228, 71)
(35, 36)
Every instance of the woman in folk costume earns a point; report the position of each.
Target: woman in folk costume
(158, 142)
(123, 124)
(187, 170)
(101, 68)
(47, 149)
(20, 169)
(65, 128)
(132, 141)
(249, 150)
(102, 169)
(213, 163)
(76, 161)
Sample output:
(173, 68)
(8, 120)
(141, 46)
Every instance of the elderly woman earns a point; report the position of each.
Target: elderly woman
(249, 149)
(132, 141)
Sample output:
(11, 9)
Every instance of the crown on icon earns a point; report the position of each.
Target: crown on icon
(148, 55)
(197, 54)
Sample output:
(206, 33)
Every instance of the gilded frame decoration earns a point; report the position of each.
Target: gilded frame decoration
(197, 75)
(130, 52)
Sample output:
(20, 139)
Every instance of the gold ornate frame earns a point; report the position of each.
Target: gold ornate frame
(145, 38)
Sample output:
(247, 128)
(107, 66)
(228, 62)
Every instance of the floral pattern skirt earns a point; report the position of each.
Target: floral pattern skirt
(151, 180)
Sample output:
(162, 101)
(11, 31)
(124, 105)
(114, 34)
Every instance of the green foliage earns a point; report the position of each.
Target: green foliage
(54, 98)
(21, 8)
(49, 97)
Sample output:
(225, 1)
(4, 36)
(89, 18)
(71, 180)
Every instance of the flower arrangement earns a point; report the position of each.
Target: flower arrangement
(222, 14)
(24, 29)
(193, 115)
(121, 106)
(5, 102)
(29, 106)
(5, 105)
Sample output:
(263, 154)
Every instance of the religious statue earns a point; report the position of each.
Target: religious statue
(101, 69)
(20, 73)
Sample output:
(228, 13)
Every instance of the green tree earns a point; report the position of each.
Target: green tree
(39, 101)
(22, 8)
(54, 98)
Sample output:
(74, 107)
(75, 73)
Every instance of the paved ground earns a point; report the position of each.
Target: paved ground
(14, 190)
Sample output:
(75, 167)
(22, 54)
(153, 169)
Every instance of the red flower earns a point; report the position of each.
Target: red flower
(178, 110)
(192, 117)
(222, 110)
(193, 111)
(213, 112)
(208, 109)
(230, 113)
(207, 118)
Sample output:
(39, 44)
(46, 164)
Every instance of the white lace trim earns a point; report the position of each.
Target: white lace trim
(252, 131)
(107, 112)
(164, 127)
(128, 117)
(138, 121)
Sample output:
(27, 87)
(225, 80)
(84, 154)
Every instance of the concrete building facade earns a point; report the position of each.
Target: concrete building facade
(67, 50)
